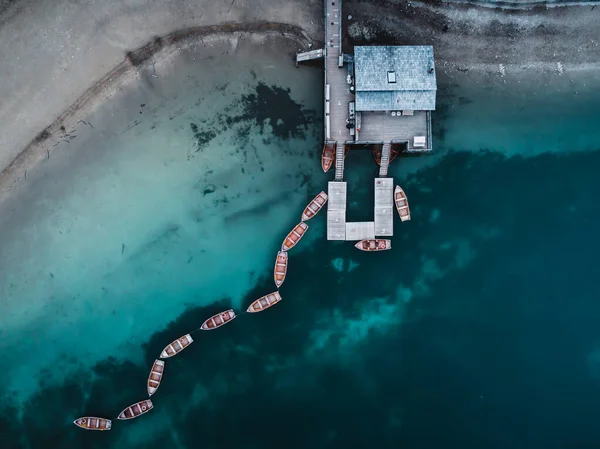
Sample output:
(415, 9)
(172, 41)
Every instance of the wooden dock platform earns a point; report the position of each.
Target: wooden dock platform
(360, 230)
(336, 210)
(310, 55)
(384, 207)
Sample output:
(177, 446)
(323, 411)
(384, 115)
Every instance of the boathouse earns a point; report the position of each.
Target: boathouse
(395, 89)
(379, 97)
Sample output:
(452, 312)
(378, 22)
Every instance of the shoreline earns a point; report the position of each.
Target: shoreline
(465, 38)
(126, 71)
(523, 5)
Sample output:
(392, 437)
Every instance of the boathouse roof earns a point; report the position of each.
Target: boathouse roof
(389, 78)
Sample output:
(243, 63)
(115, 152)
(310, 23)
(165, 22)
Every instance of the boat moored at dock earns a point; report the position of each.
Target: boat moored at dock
(374, 245)
(218, 320)
(401, 203)
(328, 156)
(264, 302)
(177, 346)
(93, 423)
(281, 264)
(156, 374)
(314, 206)
(294, 236)
(137, 409)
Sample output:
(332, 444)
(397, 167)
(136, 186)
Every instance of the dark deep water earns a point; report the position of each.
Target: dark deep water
(493, 352)
(479, 329)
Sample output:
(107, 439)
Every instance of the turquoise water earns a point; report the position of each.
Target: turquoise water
(479, 328)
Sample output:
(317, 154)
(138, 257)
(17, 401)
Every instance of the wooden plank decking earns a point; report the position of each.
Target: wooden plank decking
(336, 210)
(336, 78)
(383, 127)
(384, 207)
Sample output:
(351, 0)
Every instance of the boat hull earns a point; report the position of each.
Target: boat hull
(327, 156)
(374, 245)
(294, 236)
(155, 377)
(264, 302)
(218, 320)
(314, 206)
(401, 204)
(137, 409)
(280, 270)
(176, 346)
(93, 423)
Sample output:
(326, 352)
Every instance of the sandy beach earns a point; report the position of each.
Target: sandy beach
(58, 59)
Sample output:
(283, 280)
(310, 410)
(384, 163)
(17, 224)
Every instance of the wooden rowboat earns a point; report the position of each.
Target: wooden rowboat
(314, 206)
(401, 204)
(374, 245)
(218, 320)
(137, 409)
(294, 236)
(327, 156)
(156, 374)
(281, 264)
(93, 423)
(264, 302)
(177, 346)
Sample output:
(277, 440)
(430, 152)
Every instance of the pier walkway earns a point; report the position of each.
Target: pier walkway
(339, 106)
(340, 151)
(385, 159)
(336, 81)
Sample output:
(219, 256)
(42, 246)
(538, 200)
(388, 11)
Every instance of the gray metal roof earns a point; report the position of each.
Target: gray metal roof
(415, 86)
(415, 100)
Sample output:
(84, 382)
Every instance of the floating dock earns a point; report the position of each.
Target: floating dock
(336, 210)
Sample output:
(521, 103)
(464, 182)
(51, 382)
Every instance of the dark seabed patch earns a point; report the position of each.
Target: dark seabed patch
(490, 350)
(270, 106)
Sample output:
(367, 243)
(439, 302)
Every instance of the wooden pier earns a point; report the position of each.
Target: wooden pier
(336, 211)
(309, 55)
(380, 96)
(384, 207)
(337, 87)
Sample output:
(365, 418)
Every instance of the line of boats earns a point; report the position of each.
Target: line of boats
(220, 319)
(175, 347)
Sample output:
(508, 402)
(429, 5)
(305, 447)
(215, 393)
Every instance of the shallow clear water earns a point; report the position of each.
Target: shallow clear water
(479, 328)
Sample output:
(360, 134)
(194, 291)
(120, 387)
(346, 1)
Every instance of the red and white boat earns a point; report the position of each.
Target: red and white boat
(137, 409)
(281, 264)
(401, 204)
(218, 320)
(327, 156)
(156, 374)
(177, 346)
(314, 206)
(93, 423)
(294, 236)
(374, 245)
(264, 302)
